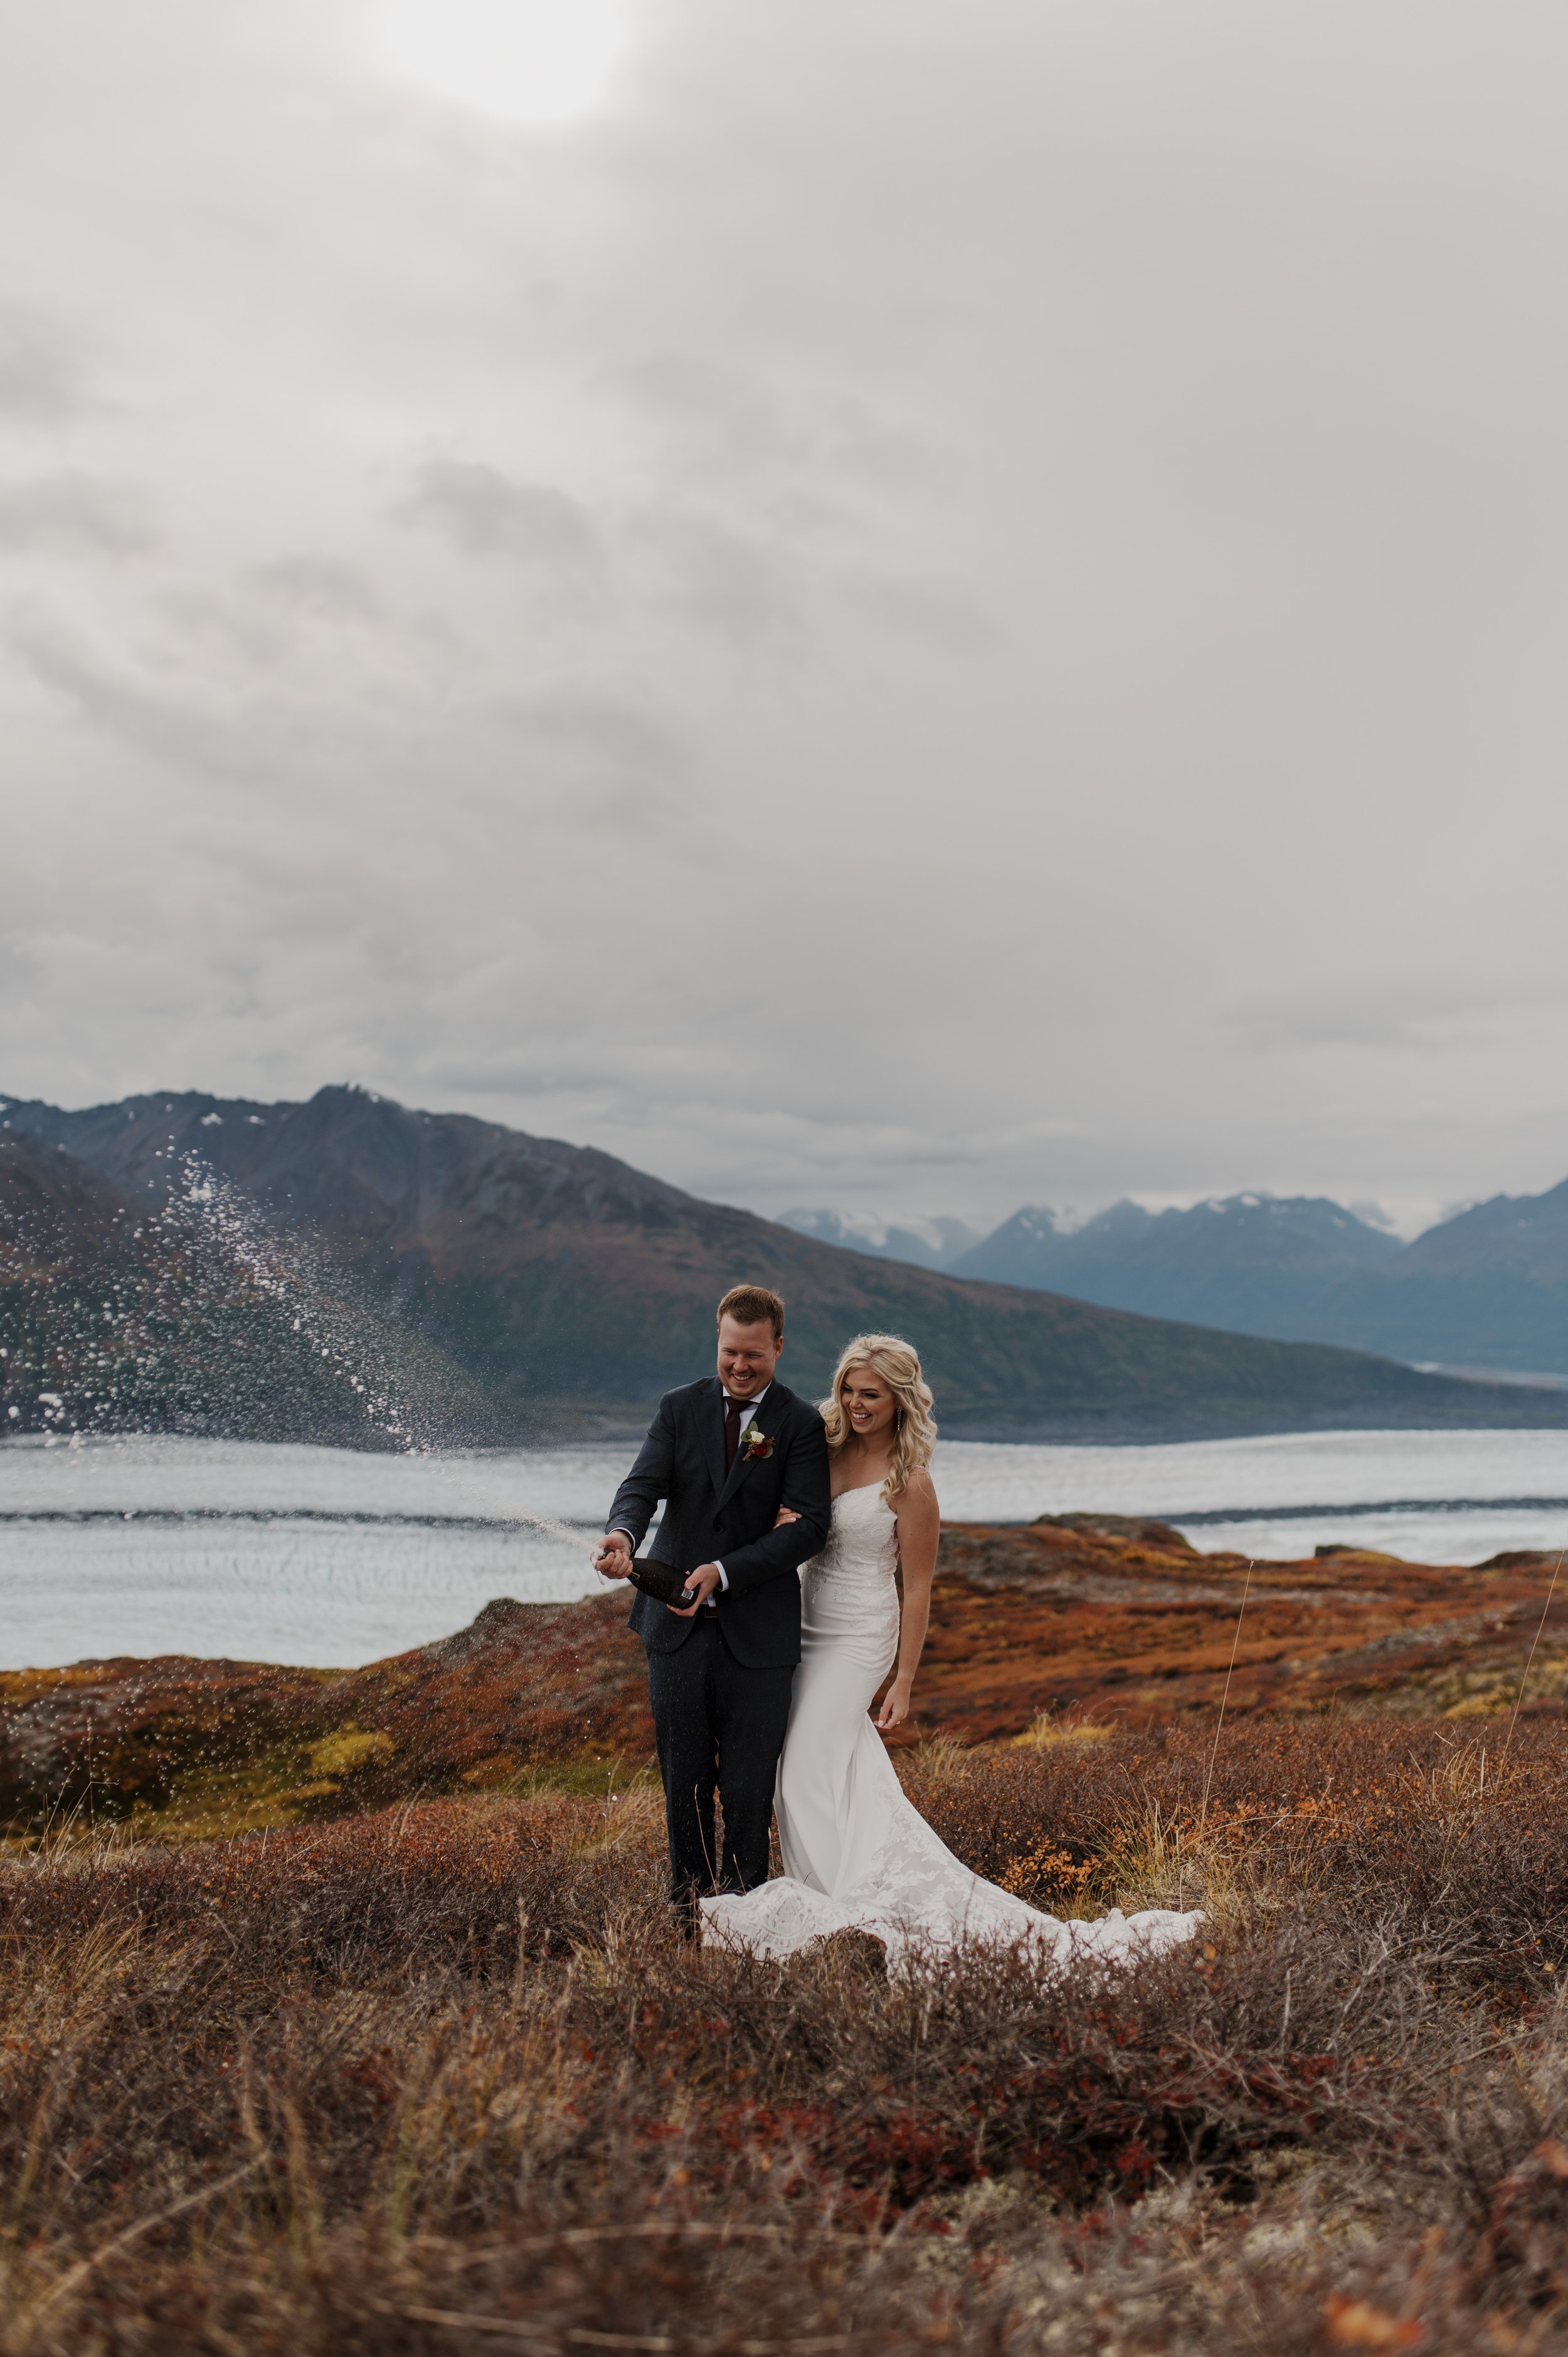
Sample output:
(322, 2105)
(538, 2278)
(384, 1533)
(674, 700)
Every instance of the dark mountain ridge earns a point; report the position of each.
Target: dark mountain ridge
(569, 1289)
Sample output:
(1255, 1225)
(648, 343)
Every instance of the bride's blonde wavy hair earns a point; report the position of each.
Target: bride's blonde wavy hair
(914, 1429)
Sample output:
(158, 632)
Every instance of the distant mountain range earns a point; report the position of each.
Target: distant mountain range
(349, 1267)
(924, 1244)
(1486, 1290)
(1254, 1262)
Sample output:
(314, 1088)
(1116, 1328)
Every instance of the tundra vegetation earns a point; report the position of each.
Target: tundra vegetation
(439, 2076)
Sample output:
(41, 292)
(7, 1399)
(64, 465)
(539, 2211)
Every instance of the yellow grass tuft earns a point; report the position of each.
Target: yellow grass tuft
(1045, 1729)
(339, 1754)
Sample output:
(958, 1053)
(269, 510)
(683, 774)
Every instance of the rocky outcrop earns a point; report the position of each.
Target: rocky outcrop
(1068, 1617)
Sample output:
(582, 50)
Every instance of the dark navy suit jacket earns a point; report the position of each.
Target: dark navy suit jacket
(712, 1516)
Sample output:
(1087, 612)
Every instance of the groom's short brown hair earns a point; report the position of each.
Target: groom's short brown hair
(748, 1305)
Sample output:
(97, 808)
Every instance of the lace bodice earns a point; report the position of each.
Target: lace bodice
(862, 1541)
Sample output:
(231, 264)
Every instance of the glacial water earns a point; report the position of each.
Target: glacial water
(324, 1557)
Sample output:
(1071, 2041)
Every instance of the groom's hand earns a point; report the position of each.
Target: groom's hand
(700, 1585)
(612, 1556)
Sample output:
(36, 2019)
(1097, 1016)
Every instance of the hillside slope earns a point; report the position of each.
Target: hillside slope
(1488, 1287)
(114, 1315)
(571, 1286)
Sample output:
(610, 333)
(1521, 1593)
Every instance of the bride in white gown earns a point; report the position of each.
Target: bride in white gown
(857, 1855)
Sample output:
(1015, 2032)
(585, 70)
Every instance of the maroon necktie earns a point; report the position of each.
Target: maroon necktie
(732, 1431)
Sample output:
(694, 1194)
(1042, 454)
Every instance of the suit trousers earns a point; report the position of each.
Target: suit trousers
(719, 1726)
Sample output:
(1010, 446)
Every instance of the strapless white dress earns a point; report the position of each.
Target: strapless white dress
(858, 1855)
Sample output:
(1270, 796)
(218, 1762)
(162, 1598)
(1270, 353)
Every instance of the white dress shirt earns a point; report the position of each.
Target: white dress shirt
(747, 1410)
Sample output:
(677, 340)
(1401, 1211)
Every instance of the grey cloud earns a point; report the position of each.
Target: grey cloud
(731, 582)
(42, 375)
(926, 612)
(599, 729)
(856, 439)
(269, 620)
(1106, 510)
(599, 762)
(488, 513)
(73, 510)
(316, 588)
(21, 973)
(1436, 1020)
(724, 411)
(122, 709)
(723, 414)
(1327, 1021)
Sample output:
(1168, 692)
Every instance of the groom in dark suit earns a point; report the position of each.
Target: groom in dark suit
(724, 1454)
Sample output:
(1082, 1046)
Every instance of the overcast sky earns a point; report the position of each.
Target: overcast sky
(915, 604)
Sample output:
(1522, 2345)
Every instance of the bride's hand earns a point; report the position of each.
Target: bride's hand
(783, 1516)
(895, 1707)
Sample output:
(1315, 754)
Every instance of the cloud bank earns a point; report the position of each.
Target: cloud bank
(922, 606)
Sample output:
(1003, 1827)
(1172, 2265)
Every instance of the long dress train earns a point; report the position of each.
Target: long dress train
(857, 1854)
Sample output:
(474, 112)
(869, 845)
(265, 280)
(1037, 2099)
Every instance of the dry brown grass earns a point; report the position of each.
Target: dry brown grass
(443, 2079)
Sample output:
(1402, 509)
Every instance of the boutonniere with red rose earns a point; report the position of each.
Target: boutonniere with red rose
(755, 1447)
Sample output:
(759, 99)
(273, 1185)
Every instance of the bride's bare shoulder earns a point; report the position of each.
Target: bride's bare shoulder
(918, 1494)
